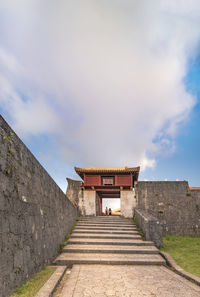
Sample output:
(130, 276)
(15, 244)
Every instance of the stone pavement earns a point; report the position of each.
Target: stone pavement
(126, 281)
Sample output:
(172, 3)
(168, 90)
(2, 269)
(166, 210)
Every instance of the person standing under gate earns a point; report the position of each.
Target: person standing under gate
(106, 211)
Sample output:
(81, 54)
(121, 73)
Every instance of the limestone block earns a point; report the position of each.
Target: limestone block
(90, 203)
(74, 191)
(18, 259)
(128, 203)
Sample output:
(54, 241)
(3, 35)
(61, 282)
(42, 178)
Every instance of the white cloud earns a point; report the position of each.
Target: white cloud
(105, 77)
(145, 163)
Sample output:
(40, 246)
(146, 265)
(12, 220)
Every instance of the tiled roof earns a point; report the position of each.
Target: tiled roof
(100, 170)
(194, 189)
(125, 169)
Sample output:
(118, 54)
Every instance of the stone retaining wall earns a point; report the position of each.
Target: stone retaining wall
(174, 204)
(35, 215)
(150, 226)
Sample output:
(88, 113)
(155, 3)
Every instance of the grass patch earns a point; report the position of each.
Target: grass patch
(31, 287)
(160, 211)
(185, 251)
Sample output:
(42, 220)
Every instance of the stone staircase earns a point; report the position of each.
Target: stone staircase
(108, 240)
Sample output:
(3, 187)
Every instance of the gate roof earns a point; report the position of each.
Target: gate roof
(95, 170)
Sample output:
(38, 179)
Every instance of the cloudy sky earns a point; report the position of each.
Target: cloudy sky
(104, 83)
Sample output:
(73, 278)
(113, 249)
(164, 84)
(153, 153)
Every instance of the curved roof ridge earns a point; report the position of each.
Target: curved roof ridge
(91, 168)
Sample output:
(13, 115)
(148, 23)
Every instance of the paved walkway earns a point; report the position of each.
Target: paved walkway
(126, 281)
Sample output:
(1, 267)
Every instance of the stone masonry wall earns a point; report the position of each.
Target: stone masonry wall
(173, 204)
(150, 226)
(74, 191)
(35, 215)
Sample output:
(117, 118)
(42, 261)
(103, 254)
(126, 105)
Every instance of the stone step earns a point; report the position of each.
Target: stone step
(77, 230)
(84, 248)
(106, 225)
(112, 259)
(107, 228)
(96, 232)
(104, 236)
(103, 216)
(107, 219)
(109, 241)
(106, 222)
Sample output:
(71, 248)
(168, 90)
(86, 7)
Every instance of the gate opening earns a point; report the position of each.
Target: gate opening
(113, 204)
(109, 199)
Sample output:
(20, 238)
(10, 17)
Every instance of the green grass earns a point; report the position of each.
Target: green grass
(31, 287)
(185, 251)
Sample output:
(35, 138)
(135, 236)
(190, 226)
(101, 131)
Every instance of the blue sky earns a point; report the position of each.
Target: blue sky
(110, 83)
(184, 163)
